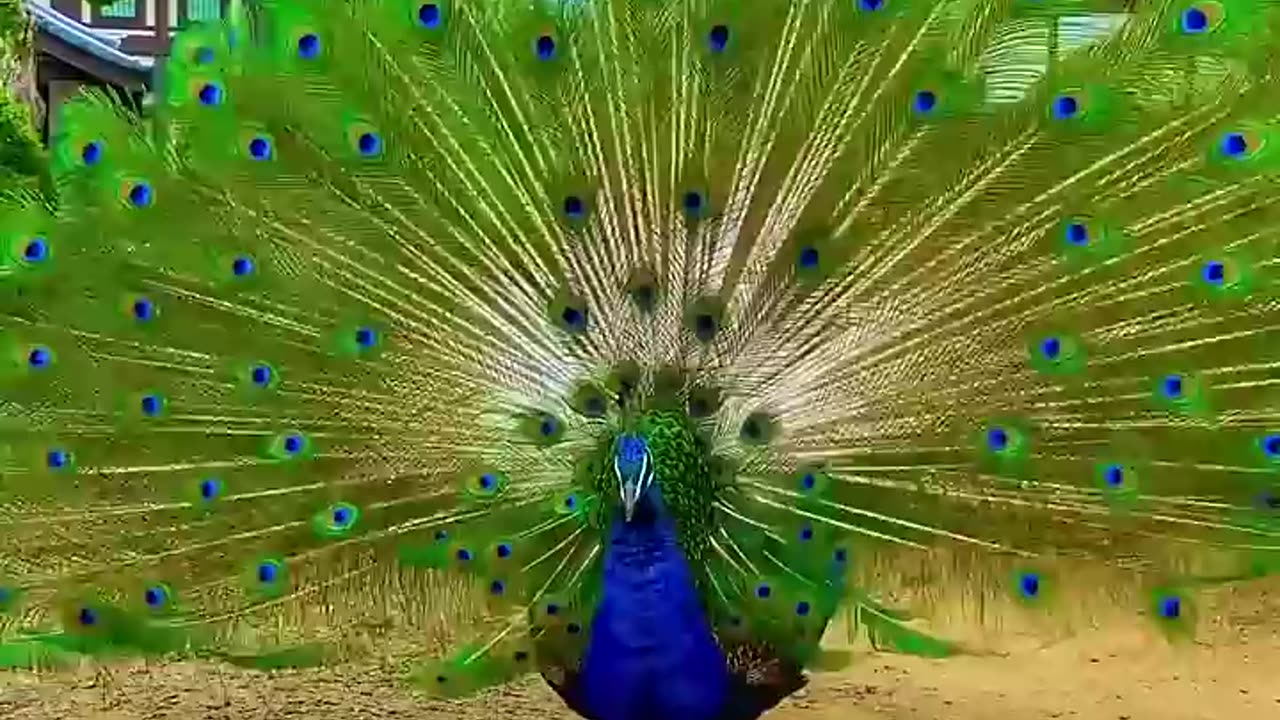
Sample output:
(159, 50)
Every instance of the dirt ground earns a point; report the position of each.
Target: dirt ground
(1117, 673)
(1104, 677)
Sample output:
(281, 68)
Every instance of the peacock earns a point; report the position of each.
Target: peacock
(634, 343)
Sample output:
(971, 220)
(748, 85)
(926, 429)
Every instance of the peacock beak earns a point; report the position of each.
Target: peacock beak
(630, 495)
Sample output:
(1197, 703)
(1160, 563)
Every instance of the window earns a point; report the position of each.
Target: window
(120, 14)
(120, 9)
(202, 10)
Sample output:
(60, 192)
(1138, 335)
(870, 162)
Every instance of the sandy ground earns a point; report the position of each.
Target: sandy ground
(1107, 676)
(1121, 673)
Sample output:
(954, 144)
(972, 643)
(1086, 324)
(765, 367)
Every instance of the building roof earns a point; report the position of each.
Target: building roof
(80, 46)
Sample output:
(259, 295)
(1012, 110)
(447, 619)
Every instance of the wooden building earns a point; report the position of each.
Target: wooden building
(116, 46)
(142, 27)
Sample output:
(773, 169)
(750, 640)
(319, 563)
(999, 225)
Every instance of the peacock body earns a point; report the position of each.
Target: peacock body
(659, 325)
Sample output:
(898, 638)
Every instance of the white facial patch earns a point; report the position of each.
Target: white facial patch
(630, 493)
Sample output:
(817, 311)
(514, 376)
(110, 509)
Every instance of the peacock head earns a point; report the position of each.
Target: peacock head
(633, 465)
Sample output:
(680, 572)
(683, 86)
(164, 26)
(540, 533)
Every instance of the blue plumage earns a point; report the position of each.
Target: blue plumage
(268, 572)
(37, 250)
(925, 101)
(1029, 584)
(39, 357)
(545, 47)
(1234, 144)
(210, 94)
(652, 654)
(91, 153)
(1113, 475)
(141, 195)
(243, 265)
(369, 144)
(1051, 348)
(57, 458)
(718, 38)
(1194, 21)
(694, 203)
(653, 650)
(151, 405)
(209, 488)
(1065, 107)
(309, 46)
(1077, 234)
(144, 310)
(429, 15)
(259, 149)
(261, 375)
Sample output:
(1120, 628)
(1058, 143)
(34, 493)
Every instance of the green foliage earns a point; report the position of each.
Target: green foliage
(14, 26)
(23, 163)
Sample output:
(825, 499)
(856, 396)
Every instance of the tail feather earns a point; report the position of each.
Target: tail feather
(374, 293)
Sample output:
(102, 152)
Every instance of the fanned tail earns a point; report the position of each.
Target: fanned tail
(377, 291)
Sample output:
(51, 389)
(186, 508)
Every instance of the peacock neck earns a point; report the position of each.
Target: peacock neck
(652, 653)
(648, 541)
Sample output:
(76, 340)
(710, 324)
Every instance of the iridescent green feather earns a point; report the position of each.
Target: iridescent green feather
(337, 349)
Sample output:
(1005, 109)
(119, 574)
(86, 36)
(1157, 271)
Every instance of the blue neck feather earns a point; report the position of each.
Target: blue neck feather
(652, 655)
